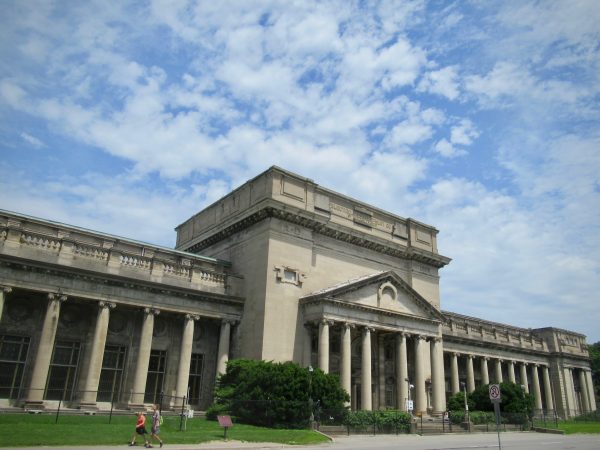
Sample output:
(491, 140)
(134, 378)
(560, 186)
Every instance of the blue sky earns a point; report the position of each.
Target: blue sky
(480, 118)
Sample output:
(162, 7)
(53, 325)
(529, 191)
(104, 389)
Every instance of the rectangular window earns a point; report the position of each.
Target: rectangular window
(63, 371)
(195, 380)
(13, 354)
(156, 375)
(111, 376)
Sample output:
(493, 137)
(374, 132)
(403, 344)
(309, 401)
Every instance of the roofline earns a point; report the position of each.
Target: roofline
(311, 181)
(116, 237)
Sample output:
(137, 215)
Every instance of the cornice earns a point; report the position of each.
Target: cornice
(365, 308)
(324, 227)
(116, 281)
(495, 345)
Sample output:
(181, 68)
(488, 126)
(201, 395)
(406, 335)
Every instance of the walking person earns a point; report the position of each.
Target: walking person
(156, 422)
(140, 429)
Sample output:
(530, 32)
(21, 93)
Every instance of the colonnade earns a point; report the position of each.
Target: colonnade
(525, 368)
(41, 366)
(403, 384)
(498, 377)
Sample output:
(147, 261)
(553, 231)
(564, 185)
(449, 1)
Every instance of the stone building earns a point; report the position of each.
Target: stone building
(279, 269)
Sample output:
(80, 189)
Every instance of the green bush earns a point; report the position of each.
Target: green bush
(456, 402)
(278, 395)
(382, 420)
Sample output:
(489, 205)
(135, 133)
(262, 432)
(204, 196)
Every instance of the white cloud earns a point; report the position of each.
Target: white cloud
(442, 82)
(32, 140)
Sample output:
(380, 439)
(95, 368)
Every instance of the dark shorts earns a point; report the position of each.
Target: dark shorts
(141, 430)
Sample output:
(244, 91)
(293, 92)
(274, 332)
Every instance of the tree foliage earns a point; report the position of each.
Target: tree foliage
(594, 350)
(275, 394)
(456, 402)
(514, 400)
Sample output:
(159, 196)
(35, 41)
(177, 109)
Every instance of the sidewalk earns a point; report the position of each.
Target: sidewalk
(215, 445)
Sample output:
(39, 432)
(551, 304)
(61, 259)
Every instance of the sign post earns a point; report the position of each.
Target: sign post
(225, 422)
(495, 397)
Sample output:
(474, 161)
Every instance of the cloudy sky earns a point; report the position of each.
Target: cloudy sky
(480, 118)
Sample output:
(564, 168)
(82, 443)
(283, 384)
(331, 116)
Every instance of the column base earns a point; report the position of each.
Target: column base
(137, 406)
(92, 406)
(34, 405)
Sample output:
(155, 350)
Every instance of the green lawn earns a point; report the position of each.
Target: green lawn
(572, 427)
(32, 430)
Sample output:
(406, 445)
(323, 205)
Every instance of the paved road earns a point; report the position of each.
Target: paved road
(509, 441)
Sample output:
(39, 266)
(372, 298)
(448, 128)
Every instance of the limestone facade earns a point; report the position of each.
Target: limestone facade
(279, 269)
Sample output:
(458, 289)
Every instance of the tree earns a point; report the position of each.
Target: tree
(594, 351)
(457, 402)
(514, 399)
(275, 394)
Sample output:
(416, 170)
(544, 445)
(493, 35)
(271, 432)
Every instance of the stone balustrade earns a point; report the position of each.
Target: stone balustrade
(56, 243)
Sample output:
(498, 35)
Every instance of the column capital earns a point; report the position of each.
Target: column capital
(457, 354)
(103, 304)
(469, 356)
(231, 322)
(6, 289)
(369, 329)
(152, 311)
(325, 321)
(348, 325)
(500, 360)
(57, 297)
(193, 317)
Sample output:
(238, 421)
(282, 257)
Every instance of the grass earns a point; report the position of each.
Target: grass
(20, 430)
(573, 427)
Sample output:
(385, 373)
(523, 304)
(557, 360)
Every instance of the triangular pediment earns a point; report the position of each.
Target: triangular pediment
(382, 290)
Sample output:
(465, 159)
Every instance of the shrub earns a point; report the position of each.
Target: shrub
(275, 394)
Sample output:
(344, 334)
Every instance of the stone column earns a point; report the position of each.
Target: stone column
(43, 355)
(3, 291)
(223, 354)
(511, 372)
(535, 380)
(346, 364)
(185, 355)
(585, 398)
(324, 346)
(524, 381)
(590, 386)
(307, 356)
(485, 375)
(548, 389)
(470, 374)
(402, 372)
(96, 355)
(437, 376)
(143, 359)
(420, 393)
(570, 392)
(498, 370)
(454, 379)
(381, 371)
(366, 396)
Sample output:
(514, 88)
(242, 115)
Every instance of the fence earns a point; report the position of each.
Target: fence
(61, 401)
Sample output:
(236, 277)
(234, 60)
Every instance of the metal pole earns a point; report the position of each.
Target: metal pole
(182, 412)
(112, 403)
(59, 402)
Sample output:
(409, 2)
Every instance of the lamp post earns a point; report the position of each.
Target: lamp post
(464, 386)
(410, 386)
(310, 399)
